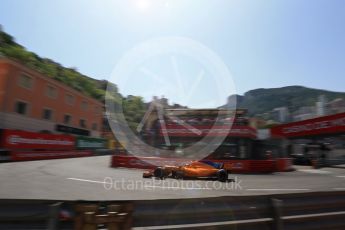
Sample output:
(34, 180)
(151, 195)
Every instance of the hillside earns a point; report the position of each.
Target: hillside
(70, 76)
(133, 106)
(259, 101)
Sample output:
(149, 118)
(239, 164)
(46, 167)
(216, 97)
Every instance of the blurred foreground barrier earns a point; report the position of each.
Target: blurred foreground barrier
(29, 214)
(93, 216)
(307, 211)
(54, 215)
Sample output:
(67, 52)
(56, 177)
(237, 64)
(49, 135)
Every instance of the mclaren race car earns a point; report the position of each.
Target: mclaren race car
(195, 169)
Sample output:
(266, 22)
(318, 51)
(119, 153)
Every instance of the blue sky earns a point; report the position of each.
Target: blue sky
(264, 43)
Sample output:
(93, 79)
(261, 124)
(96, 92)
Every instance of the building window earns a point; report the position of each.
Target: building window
(51, 92)
(67, 119)
(21, 107)
(98, 110)
(69, 99)
(25, 81)
(94, 126)
(82, 123)
(47, 114)
(84, 105)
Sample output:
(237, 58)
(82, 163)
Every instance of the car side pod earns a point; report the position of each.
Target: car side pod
(147, 174)
(179, 175)
(222, 175)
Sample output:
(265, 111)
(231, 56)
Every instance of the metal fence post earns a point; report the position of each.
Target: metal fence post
(53, 218)
(277, 206)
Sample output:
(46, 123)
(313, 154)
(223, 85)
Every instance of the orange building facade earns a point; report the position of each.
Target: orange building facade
(31, 101)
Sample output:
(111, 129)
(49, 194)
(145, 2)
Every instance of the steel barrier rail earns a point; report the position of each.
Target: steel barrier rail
(317, 210)
(14, 214)
(261, 224)
(332, 220)
(335, 162)
(322, 221)
(315, 202)
(220, 209)
(188, 211)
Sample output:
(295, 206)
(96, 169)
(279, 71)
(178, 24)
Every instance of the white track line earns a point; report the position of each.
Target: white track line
(185, 188)
(340, 176)
(277, 189)
(147, 186)
(316, 171)
(91, 181)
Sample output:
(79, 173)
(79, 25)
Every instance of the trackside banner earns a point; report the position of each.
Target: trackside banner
(236, 131)
(15, 139)
(90, 143)
(44, 155)
(316, 126)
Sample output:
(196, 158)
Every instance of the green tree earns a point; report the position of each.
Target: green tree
(134, 110)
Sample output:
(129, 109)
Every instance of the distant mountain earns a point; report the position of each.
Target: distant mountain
(261, 100)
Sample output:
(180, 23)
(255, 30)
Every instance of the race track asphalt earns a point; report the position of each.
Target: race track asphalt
(91, 178)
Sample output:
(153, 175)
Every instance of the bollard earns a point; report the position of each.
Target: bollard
(80, 209)
(53, 218)
(129, 209)
(277, 206)
(89, 221)
(113, 217)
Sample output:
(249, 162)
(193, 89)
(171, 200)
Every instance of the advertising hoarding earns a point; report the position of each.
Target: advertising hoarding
(16, 139)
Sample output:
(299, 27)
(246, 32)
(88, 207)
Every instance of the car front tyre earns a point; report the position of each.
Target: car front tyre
(179, 175)
(222, 175)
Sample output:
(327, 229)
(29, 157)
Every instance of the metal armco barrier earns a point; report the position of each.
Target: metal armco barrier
(319, 210)
(335, 162)
(307, 211)
(28, 214)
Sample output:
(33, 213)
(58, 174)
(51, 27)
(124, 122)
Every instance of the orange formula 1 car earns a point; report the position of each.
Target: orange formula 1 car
(195, 169)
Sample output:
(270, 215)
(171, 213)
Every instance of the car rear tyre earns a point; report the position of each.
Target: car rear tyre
(222, 175)
(159, 173)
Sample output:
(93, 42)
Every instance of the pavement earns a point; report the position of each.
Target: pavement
(91, 178)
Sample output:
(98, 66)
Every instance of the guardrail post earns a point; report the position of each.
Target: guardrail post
(80, 209)
(277, 206)
(89, 221)
(113, 216)
(129, 209)
(53, 218)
